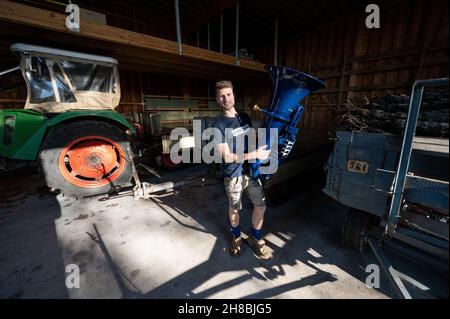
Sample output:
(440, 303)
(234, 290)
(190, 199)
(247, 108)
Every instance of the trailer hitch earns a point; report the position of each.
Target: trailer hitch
(145, 190)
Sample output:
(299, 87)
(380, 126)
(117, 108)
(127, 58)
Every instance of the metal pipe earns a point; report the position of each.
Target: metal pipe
(390, 272)
(237, 34)
(421, 245)
(198, 38)
(177, 17)
(221, 33)
(432, 82)
(428, 244)
(209, 37)
(10, 70)
(275, 49)
(424, 259)
(405, 154)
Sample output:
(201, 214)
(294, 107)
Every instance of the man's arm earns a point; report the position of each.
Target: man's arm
(261, 153)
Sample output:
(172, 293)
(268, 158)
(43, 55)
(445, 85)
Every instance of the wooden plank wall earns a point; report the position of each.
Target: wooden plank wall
(135, 85)
(353, 61)
(13, 91)
(356, 62)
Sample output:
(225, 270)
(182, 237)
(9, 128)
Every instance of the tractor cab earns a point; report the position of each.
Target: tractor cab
(61, 80)
(69, 125)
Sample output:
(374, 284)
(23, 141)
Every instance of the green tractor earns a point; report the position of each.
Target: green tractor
(68, 124)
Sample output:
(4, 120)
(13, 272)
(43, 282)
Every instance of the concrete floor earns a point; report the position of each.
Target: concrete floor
(176, 247)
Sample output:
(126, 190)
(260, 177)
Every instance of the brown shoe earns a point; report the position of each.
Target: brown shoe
(235, 248)
(258, 246)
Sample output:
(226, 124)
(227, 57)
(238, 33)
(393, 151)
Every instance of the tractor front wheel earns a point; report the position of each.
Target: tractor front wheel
(86, 158)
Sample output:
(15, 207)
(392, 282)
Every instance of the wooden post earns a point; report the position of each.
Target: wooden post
(341, 82)
(237, 35)
(177, 18)
(209, 37)
(275, 49)
(198, 38)
(221, 33)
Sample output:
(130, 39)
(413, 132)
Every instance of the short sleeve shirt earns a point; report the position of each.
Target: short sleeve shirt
(233, 130)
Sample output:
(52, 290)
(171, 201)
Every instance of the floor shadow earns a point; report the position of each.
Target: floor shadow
(309, 210)
(303, 230)
(122, 280)
(31, 261)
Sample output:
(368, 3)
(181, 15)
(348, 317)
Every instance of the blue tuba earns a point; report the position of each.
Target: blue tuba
(289, 87)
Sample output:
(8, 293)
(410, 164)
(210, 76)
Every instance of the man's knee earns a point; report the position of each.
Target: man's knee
(261, 208)
(233, 209)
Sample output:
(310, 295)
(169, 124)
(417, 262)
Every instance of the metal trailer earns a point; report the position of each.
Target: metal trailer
(396, 189)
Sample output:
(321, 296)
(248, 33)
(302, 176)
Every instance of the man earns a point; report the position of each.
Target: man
(231, 125)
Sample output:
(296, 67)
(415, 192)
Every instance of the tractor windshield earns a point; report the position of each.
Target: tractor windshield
(58, 84)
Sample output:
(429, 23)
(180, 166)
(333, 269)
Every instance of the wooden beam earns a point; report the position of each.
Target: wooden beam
(388, 86)
(376, 57)
(26, 15)
(397, 67)
(131, 58)
(12, 101)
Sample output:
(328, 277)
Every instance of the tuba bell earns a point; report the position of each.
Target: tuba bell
(289, 87)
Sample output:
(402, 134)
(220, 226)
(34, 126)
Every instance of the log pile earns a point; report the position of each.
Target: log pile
(388, 114)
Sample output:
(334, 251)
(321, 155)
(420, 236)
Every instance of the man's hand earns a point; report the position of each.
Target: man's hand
(262, 154)
(229, 157)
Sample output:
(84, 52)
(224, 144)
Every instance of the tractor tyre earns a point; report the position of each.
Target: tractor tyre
(86, 158)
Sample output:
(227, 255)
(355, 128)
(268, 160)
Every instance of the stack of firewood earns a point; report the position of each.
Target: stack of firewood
(388, 114)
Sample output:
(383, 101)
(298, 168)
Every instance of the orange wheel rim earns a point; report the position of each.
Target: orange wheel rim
(91, 161)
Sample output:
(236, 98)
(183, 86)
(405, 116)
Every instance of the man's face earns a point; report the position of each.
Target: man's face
(225, 98)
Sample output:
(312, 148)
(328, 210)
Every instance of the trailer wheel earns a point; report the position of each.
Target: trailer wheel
(357, 225)
(86, 158)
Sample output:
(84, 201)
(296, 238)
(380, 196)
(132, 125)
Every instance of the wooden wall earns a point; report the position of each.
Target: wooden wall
(356, 62)
(135, 85)
(13, 91)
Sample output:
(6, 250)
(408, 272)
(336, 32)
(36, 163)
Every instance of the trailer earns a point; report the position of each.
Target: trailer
(396, 188)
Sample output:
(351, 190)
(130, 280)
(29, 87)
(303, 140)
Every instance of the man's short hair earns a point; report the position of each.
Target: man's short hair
(224, 84)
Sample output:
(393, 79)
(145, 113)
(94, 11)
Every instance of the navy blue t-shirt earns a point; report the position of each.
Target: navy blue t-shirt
(231, 128)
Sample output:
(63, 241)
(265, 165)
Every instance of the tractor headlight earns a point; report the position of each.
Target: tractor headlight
(8, 129)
